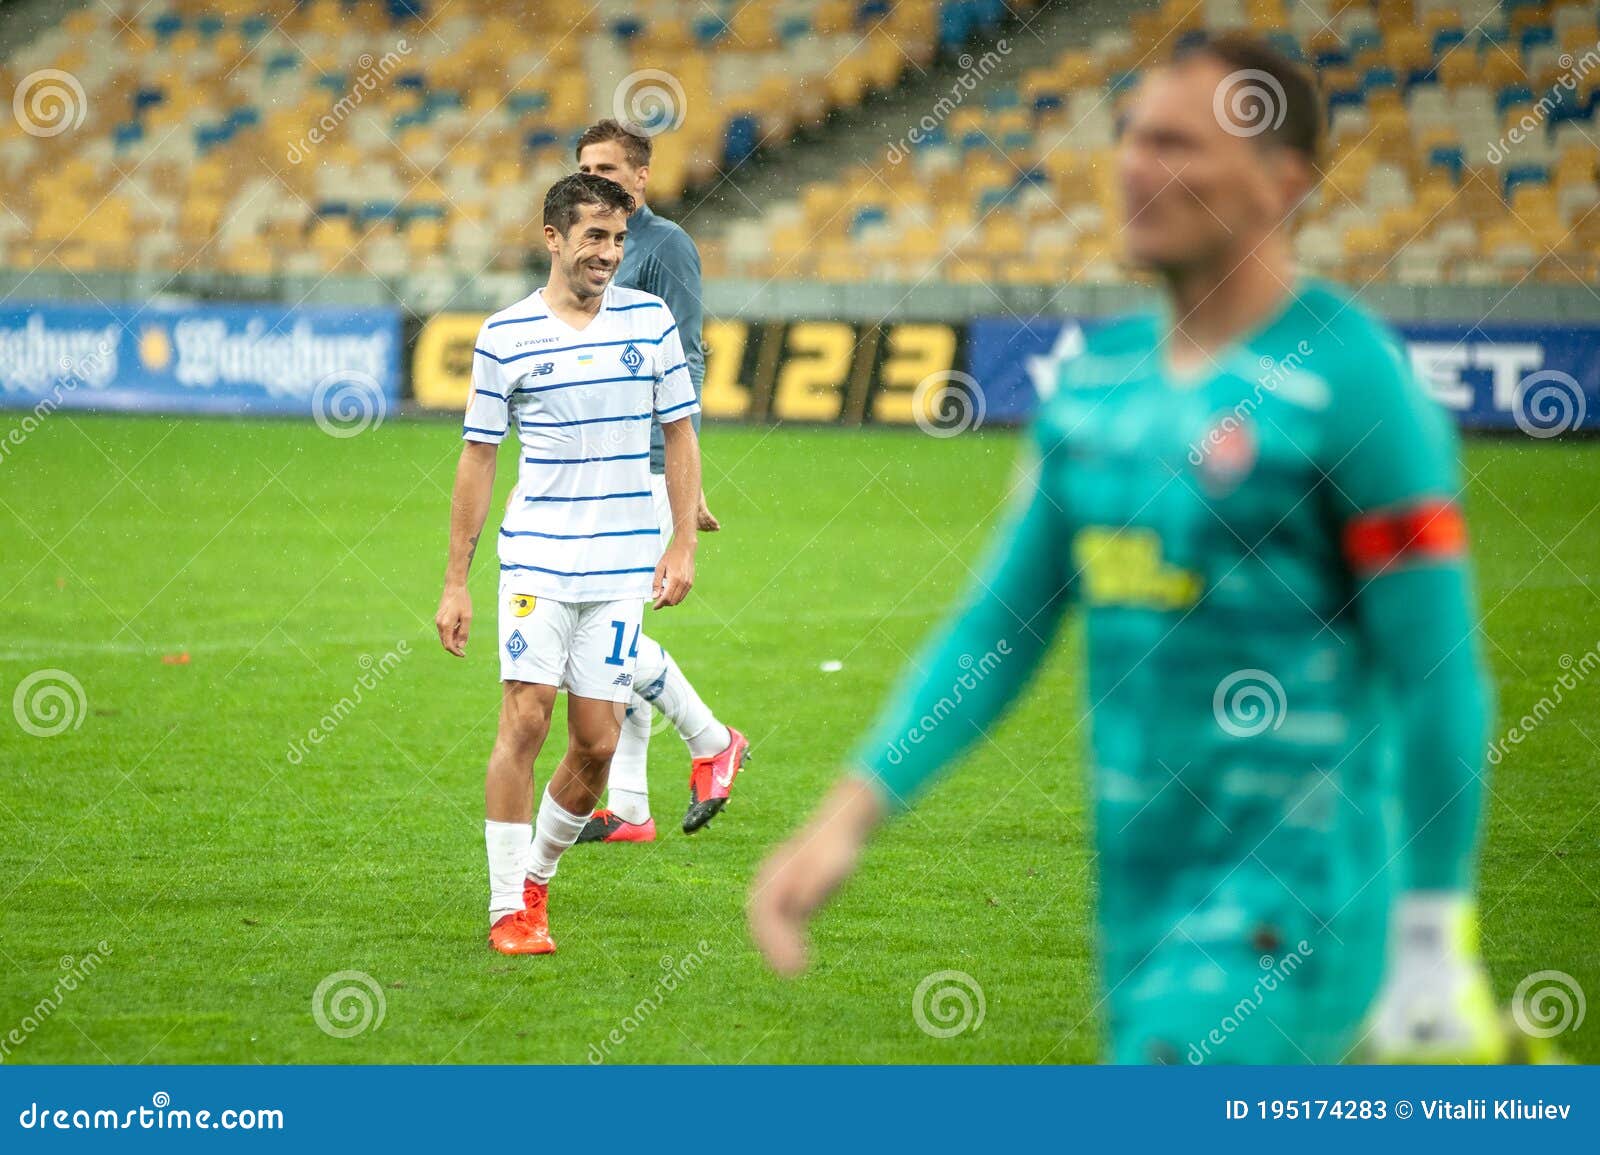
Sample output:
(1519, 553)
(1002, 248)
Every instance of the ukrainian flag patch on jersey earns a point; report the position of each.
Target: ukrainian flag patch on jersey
(522, 604)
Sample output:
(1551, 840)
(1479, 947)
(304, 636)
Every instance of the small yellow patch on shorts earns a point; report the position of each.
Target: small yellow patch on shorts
(522, 604)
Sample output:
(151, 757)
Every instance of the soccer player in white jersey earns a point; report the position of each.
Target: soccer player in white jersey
(581, 366)
(661, 259)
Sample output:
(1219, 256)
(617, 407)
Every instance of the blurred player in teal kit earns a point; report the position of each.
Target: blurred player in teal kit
(1254, 505)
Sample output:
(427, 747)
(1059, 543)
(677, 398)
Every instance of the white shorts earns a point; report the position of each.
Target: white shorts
(586, 648)
(663, 508)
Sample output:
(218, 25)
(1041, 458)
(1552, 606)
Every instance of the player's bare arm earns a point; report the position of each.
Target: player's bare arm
(469, 508)
(675, 571)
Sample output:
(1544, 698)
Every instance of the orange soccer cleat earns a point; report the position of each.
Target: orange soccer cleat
(526, 931)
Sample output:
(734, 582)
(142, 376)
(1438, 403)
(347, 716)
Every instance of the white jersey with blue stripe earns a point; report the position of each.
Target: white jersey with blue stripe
(580, 525)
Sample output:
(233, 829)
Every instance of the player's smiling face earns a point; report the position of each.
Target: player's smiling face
(588, 254)
(1192, 192)
(609, 159)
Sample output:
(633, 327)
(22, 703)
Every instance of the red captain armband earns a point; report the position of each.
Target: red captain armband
(1432, 530)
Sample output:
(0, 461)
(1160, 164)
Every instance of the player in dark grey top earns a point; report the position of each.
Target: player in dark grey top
(660, 258)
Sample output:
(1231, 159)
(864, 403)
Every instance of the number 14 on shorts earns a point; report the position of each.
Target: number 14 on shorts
(621, 629)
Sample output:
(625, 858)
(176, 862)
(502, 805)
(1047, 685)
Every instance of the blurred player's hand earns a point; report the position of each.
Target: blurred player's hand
(799, 876)
(674, 575)
(1436, 1005)
(454, 619)
(707, 520)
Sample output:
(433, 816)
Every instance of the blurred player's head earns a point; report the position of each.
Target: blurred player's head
(612, 149)
(1219, 146)
(585, 222)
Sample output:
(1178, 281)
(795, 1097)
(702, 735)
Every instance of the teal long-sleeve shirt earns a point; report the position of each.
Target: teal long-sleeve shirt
(1271, 563)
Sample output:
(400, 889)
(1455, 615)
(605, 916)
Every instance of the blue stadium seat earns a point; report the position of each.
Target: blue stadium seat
(1349, 97)
(794, 27)
(1123, 81)
(740, 138)
(869, 12)
(167, 25)
(709, 29)
(1525, 174)
(1046, 102)
(992, 199)
(128, 132)
(523, 103)
(1363, 39)
(1379, 78)
(1451, 158)
(208, 136)
(378, 211)
(627, 28)
(210, 26)
(540, 138)
(867, 216)
(1533, 37)
(1512, 95)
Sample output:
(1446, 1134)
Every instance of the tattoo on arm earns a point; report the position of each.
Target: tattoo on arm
(472, 548)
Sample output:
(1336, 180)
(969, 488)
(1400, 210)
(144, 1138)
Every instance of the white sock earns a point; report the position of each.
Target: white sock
(660, 682)
(509, 844)
(555, 830)
(629, 794)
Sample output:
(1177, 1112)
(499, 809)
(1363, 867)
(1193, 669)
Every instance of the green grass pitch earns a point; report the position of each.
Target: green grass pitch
(228, 877)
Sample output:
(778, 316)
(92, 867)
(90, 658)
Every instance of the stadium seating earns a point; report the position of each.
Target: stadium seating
(368, 137)
(1464, 148)
(258, 136)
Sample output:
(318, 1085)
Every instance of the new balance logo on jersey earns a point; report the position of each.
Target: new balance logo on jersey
(623, 680)
(542, 368)
(632, 358)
